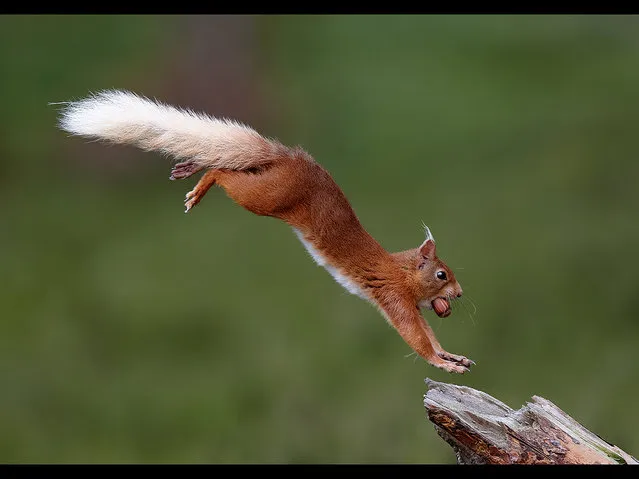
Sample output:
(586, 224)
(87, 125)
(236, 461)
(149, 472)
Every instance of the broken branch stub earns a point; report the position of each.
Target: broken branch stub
(484, 430)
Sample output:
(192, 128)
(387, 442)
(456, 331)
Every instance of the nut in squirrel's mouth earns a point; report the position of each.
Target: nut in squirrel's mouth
(441, 306)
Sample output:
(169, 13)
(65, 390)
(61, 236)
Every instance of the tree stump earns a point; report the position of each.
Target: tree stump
(483, 430)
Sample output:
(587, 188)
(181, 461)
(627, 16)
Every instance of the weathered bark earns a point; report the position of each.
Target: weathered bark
(483, 430)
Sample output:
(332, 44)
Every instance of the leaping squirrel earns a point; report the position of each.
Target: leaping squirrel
(271, 179)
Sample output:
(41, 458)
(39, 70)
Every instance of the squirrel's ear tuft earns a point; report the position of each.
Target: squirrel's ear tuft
(429, 235)
(427, 249)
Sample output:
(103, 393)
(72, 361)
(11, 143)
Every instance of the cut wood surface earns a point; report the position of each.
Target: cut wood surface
(483, 430)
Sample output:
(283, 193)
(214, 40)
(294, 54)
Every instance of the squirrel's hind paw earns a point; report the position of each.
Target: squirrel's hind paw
(184, 170)
(192, 199)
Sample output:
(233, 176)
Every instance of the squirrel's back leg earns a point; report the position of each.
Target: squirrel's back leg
(222, 177)
(194, 196)
(234, 182)
(187, 169)
(269, 190)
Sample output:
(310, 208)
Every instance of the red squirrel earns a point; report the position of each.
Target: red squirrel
(271, 179)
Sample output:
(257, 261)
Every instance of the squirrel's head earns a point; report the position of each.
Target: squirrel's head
(433, 283)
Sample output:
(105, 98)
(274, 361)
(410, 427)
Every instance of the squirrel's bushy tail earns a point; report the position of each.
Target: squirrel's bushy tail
(123, 117)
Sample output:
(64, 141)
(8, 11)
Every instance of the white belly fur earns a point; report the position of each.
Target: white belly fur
(347, 283)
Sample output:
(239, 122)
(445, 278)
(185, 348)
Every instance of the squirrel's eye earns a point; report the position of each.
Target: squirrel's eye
(441, 275)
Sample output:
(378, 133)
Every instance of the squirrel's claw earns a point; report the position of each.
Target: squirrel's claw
(192, 198)
(453, 367)
(459, 360)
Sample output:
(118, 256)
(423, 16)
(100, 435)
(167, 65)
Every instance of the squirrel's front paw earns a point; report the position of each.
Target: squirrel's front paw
(454, 363)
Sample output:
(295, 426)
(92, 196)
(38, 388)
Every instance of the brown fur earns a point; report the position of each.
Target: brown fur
(270, 179)
(297, 190)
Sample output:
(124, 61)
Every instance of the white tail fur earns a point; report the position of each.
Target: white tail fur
(123, 117)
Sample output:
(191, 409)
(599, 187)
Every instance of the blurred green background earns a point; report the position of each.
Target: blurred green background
(131, 332)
